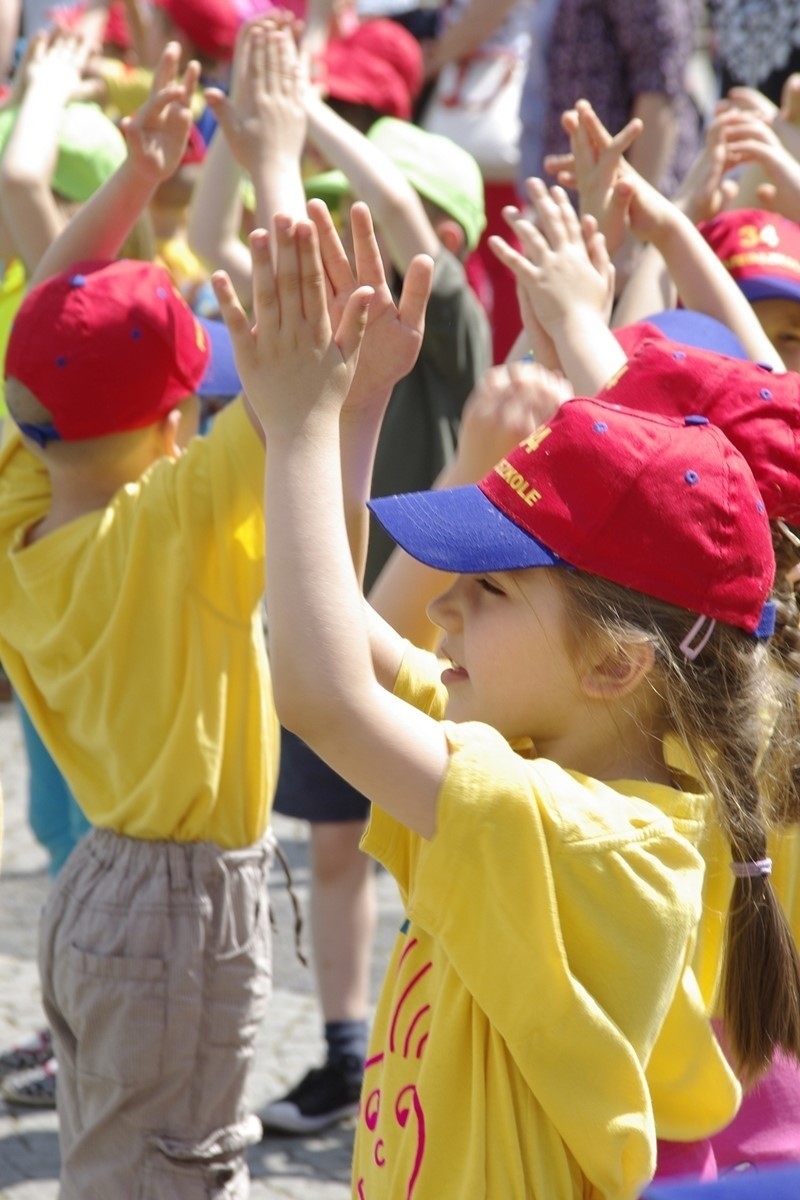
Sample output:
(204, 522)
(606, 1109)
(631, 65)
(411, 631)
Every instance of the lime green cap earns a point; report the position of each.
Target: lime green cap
(435, 167)
(90, 148)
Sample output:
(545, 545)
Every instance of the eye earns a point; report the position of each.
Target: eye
(488, 586)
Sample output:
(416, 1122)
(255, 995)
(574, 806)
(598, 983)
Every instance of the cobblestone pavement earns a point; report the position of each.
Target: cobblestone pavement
(314, 1168)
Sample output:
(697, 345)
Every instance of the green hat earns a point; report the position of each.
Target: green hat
(435, 167)
(90, 148)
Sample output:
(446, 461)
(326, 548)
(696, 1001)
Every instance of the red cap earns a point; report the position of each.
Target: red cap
(761, 250)
(116, 32)
(211, 25)
(756, 409)
(105, 348)
(665, 507)
(379, 64)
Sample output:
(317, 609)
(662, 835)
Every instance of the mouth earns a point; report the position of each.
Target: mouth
(454, 672)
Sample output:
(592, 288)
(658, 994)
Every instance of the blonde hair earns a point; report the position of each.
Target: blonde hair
(717, 705)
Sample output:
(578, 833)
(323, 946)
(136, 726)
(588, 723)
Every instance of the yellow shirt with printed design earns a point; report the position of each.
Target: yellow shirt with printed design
(539, 1021)
(133, 637)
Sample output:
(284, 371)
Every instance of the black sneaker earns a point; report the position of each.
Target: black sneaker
(33, 1089)
(322, 1097)
(34, 1052)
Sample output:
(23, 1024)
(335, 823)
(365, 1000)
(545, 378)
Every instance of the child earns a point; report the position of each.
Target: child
(757, 410)
(132, 578)
(539, 1014)
(427, 196)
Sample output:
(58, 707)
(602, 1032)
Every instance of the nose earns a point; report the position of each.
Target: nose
(443, 611)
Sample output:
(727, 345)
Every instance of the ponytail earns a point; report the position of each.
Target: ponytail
(719, 704)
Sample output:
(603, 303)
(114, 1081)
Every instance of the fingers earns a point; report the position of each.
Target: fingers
(232, 313)
(621, 142)
(312, 280)
(266, 308)
(554, 164)
(353, 324)
(166, 71)
(369, 264)
(595, 128)
(416, 292)
(287, 270)
(334, 259)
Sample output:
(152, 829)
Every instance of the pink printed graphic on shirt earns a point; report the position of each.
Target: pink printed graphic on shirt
(408, 1035)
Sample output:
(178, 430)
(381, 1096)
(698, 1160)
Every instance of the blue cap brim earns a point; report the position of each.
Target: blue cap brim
(459, 530)
(221, 377)
(769, 287)
(699, 330)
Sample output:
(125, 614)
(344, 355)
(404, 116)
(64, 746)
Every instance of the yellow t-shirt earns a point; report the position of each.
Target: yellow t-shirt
(12, 293)
(539, 1023)
(133, 637)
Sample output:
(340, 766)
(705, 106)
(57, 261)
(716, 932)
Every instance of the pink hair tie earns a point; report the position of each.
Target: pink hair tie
(752, 870)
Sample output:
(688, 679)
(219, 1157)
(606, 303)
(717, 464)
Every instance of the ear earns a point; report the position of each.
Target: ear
(620, 671)
(169, 430)
(451, 235)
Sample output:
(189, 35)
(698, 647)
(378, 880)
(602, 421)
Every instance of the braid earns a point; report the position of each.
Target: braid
(717, 704)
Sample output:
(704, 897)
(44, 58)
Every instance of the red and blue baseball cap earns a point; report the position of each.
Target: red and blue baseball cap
(106, 347)
(757, 409)
(664, 506)
(760, 249)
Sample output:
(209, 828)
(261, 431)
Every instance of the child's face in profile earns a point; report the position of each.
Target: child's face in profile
(780, 320)
(513, 663)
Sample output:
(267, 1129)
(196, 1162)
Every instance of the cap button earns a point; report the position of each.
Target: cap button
(695, 419)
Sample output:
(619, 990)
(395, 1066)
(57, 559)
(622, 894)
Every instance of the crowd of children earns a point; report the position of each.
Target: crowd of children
(248, 383)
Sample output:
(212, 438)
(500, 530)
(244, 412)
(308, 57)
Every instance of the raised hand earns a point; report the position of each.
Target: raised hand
(507, 403)
(264, 116)
(704, 191)
(293, 362)
(157, 134)
(749, 139)
(557, 273)
(394, 330)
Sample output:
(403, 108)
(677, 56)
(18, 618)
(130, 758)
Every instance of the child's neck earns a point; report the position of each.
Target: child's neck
(614, 749)
(76, 492)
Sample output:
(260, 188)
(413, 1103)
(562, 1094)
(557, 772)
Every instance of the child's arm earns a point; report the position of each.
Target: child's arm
(297, 370)
(396, 208)
(156, 137)
(51, 74)
(568, 280)
(507, 404)
(215, 216)
(264, 123)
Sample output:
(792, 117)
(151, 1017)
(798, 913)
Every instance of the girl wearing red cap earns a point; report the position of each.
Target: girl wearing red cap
(540, 800)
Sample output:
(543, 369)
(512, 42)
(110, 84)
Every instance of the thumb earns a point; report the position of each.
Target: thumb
(767, 195)
(350, 333)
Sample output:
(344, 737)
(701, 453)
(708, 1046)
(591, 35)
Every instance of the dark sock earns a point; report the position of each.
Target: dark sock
(347, 1043)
